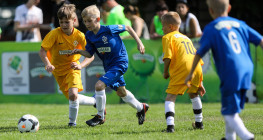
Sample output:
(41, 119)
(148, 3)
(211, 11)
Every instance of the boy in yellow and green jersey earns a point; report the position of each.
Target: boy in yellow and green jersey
(178, 56)
(67, 68)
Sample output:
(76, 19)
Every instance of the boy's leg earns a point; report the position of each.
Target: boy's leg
(129, 98)
(73, 106)
(230, 133)
(169, 111)
(197, 109)
(235, 123)
(100, 97)
(232, 103)
(86, 100)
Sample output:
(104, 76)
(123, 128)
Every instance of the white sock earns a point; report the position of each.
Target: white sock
(132, 101)
(73, 111)
(235, 123)
(86, 100)
(230, 133)
(197, 107)
(100, 102)
(169, 107)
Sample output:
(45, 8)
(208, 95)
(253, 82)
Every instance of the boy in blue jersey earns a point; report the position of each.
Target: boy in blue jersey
(229, 38)
(107, 44)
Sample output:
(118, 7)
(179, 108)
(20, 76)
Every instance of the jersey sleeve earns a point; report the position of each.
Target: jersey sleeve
(89, 47)
(116, 28)
(254, 36)
(205, 43)
(167, 51)
(49, 40)
(82, 41)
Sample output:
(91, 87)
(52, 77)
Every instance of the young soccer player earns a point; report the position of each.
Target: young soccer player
(106, 42)
(66, 68)
(229, 38)
(178, 56)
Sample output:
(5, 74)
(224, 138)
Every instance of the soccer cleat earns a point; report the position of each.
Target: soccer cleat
(169, 129)
(72, 124)
(198, 125)
(95, 121)
(141, 114)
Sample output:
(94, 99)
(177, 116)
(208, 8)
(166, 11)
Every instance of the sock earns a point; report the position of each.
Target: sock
(73, 111)
(132, 101)
(230, 133)
(100, 102)
(86, 100)
(197, 108)
(169, 112)
(236, 124)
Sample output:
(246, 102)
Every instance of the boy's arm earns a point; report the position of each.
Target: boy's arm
(83, 64)
(81, 52)
(137, 39)
(43, 55)
(189, 77)
(166, 68)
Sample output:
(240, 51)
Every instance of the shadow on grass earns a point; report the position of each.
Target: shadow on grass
(8, 129)
(50, 127)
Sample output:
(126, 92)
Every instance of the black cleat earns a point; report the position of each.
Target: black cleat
(198, 125)
(95, 121)
(169, 129)
(141, 114)
(72, 124)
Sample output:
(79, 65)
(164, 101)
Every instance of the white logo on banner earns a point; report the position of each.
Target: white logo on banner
(15, 73)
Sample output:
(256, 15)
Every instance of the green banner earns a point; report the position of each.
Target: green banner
(144, 77)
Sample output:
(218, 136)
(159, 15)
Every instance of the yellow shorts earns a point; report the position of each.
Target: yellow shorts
(180, 89)
(71, 80)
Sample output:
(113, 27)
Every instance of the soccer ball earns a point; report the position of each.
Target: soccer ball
(251, 95)
(28, 123)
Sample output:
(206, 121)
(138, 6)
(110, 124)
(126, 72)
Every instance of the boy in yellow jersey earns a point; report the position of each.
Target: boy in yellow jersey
(178, 56)
(66, 68)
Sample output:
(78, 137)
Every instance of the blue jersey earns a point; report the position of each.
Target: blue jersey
(109, 47)
(229, 38)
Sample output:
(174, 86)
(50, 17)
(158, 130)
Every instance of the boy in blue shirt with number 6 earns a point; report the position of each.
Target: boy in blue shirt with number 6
(107, 44)
(229, 38)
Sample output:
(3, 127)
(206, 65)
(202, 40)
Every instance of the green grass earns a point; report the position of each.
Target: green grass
(122, 123)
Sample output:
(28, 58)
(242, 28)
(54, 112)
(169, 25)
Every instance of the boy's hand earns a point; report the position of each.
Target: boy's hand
(75, 66)
(141, 48)
(49, 68)
(166, 75)
(201, 90)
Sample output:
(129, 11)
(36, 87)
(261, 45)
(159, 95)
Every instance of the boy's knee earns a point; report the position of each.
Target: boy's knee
(121, 92)
(170, 97)
(100, 86)
(193, 95)
(72, 97)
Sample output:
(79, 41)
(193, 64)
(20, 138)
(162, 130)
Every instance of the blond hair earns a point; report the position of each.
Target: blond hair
(218, 6)
(92, 11)
(67, 11)
(171, 18)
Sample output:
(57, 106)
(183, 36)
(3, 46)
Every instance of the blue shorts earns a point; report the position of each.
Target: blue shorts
(113, 79)
(233, 102)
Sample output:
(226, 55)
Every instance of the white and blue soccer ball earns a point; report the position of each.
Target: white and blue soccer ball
(28, 123)
(251, 95)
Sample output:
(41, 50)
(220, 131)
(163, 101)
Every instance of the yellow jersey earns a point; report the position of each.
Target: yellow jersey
(180, 50)
(55, 41)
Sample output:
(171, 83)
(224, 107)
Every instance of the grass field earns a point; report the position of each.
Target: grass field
(121, 122)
